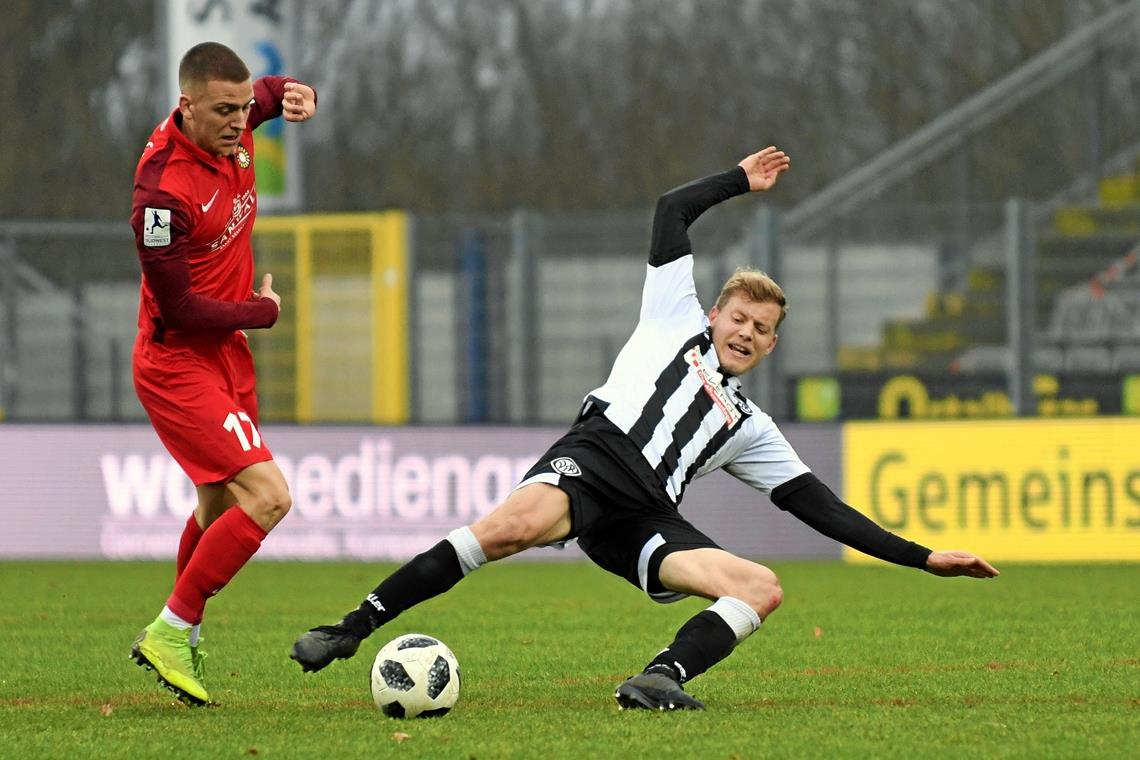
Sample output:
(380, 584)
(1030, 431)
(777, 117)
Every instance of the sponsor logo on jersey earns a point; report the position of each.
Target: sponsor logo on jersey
(375, 602)
(156, 227)
(242, 156)
(710, 380)
(242, 210)
(566, 466)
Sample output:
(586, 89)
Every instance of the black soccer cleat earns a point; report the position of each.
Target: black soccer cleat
(654, 691)
(323, 644)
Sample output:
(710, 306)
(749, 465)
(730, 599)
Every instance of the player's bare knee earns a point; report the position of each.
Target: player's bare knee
(504, 535)
(282, 503)
(270, 505)
(764, 591)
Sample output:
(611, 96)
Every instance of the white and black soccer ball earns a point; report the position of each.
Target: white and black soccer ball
(415, 676)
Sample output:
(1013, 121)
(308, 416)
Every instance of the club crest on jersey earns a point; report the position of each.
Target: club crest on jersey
(710, 380)
(566, 466)
(242, 156)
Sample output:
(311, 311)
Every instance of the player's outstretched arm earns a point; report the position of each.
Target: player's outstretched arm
(953, 564)
(678, 208)
(815, 504)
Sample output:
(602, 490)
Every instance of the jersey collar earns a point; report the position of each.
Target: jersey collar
(732, 382)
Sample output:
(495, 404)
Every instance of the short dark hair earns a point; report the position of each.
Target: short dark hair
(210, 60)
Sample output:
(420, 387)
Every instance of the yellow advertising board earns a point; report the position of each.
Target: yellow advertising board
(1029, 489)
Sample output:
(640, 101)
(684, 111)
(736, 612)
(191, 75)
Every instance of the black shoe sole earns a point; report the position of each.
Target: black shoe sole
(182, 695)
(632, 698)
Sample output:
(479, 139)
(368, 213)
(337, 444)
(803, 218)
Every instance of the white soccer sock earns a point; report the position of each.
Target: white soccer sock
(173, 619)
(467, 548)
(741, 618)
(195, 634)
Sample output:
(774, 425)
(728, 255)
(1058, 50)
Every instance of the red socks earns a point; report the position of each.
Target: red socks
(191, 534)
(223, 550)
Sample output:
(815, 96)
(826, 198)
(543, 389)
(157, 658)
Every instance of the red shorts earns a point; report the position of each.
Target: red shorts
(202, 402)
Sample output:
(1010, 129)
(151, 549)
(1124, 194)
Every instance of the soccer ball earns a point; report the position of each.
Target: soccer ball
(415, 676)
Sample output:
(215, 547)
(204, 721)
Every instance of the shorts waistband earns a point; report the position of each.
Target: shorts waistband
(164, 337)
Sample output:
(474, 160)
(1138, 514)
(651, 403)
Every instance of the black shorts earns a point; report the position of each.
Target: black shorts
(620, 524)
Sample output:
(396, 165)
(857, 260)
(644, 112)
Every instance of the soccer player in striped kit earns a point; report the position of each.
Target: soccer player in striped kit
(671, 410)
(193, 211)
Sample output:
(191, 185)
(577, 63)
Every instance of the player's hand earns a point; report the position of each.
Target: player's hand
(299, 103)
(266, 290)
(765, 167)
(951, 564)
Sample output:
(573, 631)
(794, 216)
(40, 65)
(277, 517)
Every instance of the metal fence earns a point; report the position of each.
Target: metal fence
(987, 309)
(516, 318)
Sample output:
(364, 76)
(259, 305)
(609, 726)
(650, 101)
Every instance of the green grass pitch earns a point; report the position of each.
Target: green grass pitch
(859, 662)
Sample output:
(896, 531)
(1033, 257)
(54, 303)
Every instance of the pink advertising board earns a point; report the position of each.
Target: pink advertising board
(359, 493)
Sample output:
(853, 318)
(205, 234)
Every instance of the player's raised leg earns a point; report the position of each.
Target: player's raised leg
(224, 548)
(531, 516)
(744, 594)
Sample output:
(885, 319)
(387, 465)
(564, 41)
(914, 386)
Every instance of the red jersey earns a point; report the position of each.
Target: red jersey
(193, 215)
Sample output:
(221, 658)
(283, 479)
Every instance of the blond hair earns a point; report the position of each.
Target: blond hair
(755, 286)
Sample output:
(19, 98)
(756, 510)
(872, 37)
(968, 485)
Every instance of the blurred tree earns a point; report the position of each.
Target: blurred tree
(567, 104)
(68, 144)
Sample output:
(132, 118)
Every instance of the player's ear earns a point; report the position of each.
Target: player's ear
(712, 313)
(771, 348)
(184, 106)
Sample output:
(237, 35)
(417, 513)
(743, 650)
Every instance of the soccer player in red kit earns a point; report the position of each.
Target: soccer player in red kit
(193, 211)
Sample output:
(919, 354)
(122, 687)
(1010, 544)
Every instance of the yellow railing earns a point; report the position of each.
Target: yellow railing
(340, 349)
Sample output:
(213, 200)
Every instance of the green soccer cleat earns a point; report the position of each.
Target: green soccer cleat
(166, 650)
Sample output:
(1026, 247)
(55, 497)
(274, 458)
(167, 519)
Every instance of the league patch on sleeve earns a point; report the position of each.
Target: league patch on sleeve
(156, 227)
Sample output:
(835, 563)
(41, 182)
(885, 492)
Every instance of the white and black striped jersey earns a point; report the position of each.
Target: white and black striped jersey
(665, 391)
